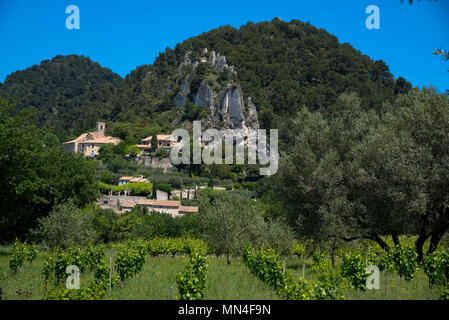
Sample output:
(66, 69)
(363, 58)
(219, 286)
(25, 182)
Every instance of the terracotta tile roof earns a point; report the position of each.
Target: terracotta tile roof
(188, 209)
(102, 140)
(139, 180)
(143, 146)
(93, 137)
(145, 202)
(160, 137)
(128, 205)
(163, 137)
(80, 138)
(165, 203)
(125, 178)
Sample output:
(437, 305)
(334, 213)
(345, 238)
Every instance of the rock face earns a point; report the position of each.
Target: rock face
(226, 105)
(155, 162)
(180, 100)
(205, 95)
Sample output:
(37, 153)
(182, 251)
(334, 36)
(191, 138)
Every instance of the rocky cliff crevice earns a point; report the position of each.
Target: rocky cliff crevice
(219, 91)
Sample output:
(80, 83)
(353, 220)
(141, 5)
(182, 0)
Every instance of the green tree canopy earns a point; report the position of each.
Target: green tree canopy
(36, 173)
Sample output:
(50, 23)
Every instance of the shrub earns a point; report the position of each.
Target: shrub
(64, 227)
(328, 284)
(17, 257)
(130, 259)
(298, 249)
(107, 178)
(90, 257)
(161, 153)
(192, 282)
(300, 290)
(353, 268)
(405, 261)
(436, 267)
(164, 187)
(132, 150)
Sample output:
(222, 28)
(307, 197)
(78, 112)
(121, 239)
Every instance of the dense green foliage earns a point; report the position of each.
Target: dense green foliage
(173, 246)
(140, 224)
(65, 227)
(436, 267)
(135, 188)
(130, 259)
(353, 268)
(20, 253)
(267, 265)
(90, 257)
(36, 173)
(281, 65)
(192, 282)
(71, 92)
(358, 174)
(232, 220)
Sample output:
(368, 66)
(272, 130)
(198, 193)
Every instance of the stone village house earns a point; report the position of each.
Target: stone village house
(89, 143)
(174, 208)
(163, 141)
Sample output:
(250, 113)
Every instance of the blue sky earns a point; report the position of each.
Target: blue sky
(122, 35)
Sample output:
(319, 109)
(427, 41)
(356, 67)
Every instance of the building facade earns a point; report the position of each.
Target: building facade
(163, 141)
(174, 208)
(90, 143)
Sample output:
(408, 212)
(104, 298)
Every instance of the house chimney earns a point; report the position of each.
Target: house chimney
(100, 128)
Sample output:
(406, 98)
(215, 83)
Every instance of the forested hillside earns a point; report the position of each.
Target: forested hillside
(71, 92)
(281, 66)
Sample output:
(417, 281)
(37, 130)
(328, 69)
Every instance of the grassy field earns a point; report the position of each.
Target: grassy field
(153, 283)
(223, 281)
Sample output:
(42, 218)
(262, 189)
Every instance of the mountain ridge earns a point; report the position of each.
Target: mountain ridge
(280, 66)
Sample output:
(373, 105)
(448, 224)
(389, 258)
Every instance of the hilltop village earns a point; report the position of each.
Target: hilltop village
(122, 198)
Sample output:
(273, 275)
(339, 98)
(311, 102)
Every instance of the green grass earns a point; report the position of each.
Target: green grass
(223, 281)
(25, 280)
(153, 283)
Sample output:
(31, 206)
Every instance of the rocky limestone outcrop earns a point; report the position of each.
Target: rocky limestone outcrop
(153, 162)
(226, 105)
(204, 96)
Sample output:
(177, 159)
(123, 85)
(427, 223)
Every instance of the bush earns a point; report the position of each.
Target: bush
(353, 268)
(17, 257)
(164, 187)
(130, 259)
(64, 227)
(161, 153)
(111, 227)
(405, 261)
(107, 178)
(192, 282)
(436, 267)
(90, 257)
(300, 290)
(267, 266)
(328, 279)
(298, 249)
(132, 150)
